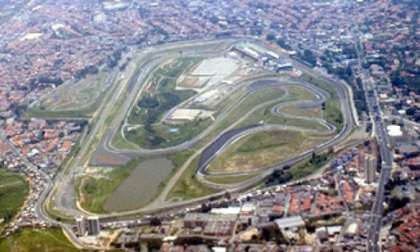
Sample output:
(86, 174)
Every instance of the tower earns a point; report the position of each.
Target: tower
(81, 225)
(93, 226)
(370, 168)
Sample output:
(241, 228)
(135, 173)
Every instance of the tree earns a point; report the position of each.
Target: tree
(309, 57)
(270, 37)
(155, 221)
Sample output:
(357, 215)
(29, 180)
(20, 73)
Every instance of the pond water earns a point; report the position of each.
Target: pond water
(141, 186)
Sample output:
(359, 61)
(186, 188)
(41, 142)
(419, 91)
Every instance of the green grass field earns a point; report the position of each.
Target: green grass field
(94, 191)
(188, 187)
(13, 190)
(333, 114)
(119, 142)
(227, 180)
(307, 112)
(267, 94)
(37, 240)
(42, 113)
(177, 159)
(307, 168)
(261, 150)
(298, 171)
(163, 136)
(264, 115)
(332, 111)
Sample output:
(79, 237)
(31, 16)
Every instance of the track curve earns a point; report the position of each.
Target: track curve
(226, 139)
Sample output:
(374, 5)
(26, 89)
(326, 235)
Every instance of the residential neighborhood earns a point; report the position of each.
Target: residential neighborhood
(362, 195)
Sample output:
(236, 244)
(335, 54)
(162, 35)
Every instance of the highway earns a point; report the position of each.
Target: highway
(381, 135)
(386, 167)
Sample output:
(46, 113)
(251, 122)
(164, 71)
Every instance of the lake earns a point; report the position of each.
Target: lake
(141, 186)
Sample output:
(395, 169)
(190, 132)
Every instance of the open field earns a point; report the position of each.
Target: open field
(78, 95)
(333, 113)
(274, 94)
(166, 135)
(302, 170)
(332, 109)
(78, 99)
(227, 180)
(188, 187)
(33, 240)
(13, 190)
(260, 150)
(295, 93)
(120, 142)
(306, 112)
(264, 115)
(299, 170)
(40, 113)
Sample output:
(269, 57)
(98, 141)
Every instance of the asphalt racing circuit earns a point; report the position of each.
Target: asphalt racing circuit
(106, 123)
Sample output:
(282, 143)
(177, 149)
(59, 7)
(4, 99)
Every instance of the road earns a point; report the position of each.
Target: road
(386, 167)
(379, 131)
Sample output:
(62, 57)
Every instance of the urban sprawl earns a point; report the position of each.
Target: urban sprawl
(366, 196)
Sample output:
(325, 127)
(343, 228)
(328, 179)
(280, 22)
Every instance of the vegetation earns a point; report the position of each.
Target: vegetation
(165, 135)
(74, 100)
(265, 115)
(226, 180)
(309, 57)
(162, 96)
(13, 190)
(321, 83)
(332, 114)
(262, 150)
(32, 240)
(306, 169)
(188, 187)
(120, 142)
(177, 159)
(43, 113)
(94, 191)
(297, 171)
(410, 78)
(332, 109)
(269, 94)
(306, 112)
(346, 73)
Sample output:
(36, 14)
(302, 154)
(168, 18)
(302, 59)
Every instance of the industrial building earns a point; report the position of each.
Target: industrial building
(263, 55)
